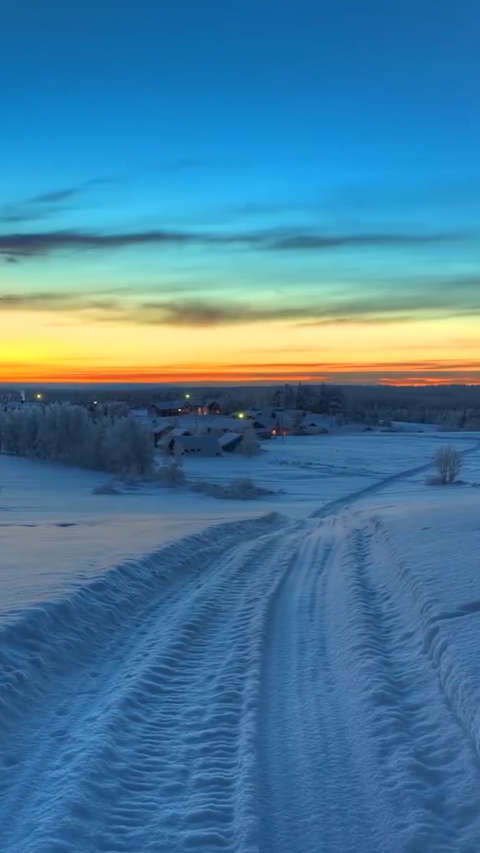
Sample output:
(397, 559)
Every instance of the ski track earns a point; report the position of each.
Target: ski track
(266, 686)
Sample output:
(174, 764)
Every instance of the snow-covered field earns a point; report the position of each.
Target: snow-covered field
(290, 675)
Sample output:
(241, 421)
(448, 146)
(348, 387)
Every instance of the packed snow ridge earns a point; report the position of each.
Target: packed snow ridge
(276, 685)
(266, 686)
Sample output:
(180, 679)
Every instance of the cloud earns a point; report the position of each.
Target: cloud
(388, 373)
(56, 301)
(319, 241)
(306, 313)
(41, 243)
(123, 305)
(55, 195)
(45, 204)
(35, 244)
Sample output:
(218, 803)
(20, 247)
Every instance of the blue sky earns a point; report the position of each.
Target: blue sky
(291, 155)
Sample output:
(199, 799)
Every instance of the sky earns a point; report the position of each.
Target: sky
(240, 191)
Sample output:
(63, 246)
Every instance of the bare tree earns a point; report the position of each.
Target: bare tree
(448, 463)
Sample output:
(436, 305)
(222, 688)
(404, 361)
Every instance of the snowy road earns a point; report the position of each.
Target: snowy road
(264, 687)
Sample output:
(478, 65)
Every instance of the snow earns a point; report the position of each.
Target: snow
(178, 676)
(312, 471)
(55, 533)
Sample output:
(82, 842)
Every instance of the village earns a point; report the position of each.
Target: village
(194, 423)
(186, 427)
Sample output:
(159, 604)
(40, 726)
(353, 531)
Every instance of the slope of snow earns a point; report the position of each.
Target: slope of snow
(312, 471)
(54, 533)
(259, 687)
(365, 742)
(273, 685)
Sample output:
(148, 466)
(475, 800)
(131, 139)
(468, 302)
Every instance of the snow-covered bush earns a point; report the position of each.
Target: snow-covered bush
(170, 474)
(242, 489)
(448, 463)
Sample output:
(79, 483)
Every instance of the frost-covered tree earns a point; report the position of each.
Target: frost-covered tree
(249, 444)
(448, 463)
(129, 447)
(68, 433)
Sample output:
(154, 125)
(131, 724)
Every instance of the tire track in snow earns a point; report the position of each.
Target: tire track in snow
(359, 750)
(160, 750)
(426, 771)
(460, 688)
(306, 779)
(260, 688)
(345, 501)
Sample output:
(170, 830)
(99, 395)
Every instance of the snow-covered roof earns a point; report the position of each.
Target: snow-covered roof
(200, 423)
(170, 405)
(228, 438)
(177, 431)
(204, 445)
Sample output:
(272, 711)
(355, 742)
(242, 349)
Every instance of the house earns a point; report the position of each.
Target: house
(270, 423)
(210, 407)
(210, 424)
(195, 445)
(314, 424)
(141, 415)
(229, 441)
(162, 428)
(169, 408)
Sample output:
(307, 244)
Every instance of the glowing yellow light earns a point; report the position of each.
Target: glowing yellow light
(187, 396)
(241, 415)
(38, 396)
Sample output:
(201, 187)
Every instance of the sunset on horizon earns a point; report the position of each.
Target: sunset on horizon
(272, 193)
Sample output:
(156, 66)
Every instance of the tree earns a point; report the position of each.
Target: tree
(297, 423)
(448, 463)
(249, 444)
(129, 448)
(68, 433)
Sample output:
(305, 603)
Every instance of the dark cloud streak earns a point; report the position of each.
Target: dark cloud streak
(55, 195)
(45, 204)
(123, 307)
(318, 241)
(38, 244)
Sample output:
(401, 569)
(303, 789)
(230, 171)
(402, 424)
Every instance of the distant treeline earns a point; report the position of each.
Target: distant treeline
(105, 440)
(449, 406)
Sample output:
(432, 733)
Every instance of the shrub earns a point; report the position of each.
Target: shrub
(448, 463)
(171, 474)
(242, 489)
